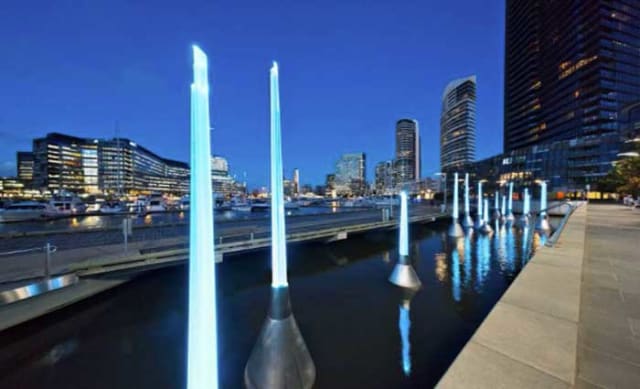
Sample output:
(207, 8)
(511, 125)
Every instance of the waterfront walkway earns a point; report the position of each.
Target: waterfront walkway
(571, 319)
(609, 331)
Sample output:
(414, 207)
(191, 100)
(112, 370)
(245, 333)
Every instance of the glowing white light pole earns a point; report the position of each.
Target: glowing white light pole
(496, 205)
(486, 228)
(479, 221)
(202, 344)
(510, 206)
(280, 358)
(467, 222)
(404, 275)
(543, 221)
(504, 209)
(455, 230)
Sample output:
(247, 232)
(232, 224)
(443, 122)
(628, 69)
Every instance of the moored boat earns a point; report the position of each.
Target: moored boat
(27, 210)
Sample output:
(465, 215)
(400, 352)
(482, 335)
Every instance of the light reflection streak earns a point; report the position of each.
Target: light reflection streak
(455, 275)
(404, 324)
(467, 261)
(441, 266)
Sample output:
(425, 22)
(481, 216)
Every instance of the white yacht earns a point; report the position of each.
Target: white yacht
(156, 204)
(240, 205)
(111, 207)
(27, 210)
(68, 205)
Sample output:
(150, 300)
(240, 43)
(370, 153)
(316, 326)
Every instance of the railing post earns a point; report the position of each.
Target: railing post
(126, 231)
(47, 260)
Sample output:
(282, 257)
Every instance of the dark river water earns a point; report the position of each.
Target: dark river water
(361, 331)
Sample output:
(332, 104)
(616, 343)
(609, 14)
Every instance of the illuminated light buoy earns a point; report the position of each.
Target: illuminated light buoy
(280, 358)
(467, 222)
(510, 216)
(202, 344)
(479, 221)
(404, 275)
(455, 230)
(486, 228)
(543, 219)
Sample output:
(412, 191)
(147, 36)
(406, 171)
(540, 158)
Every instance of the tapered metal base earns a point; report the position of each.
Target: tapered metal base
(523, 221)
(510, 217)
(455, 230)
(404, 275)
(467, 221)
(486, 229)
(543, 224)
(479, 224)
(280, 358)
(497, 214)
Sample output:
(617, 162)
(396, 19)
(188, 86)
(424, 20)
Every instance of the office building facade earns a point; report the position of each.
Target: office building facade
(350, 175)
(384, 178)
(458, 124)
(24, 166)
(570, 67)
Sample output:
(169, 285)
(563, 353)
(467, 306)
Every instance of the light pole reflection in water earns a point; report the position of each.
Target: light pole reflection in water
(467, 261)
(455, 273)
(404, 327)
(509, 244)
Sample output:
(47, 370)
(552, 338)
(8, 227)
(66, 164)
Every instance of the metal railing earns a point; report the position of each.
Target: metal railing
(48, 249)
(553, 239)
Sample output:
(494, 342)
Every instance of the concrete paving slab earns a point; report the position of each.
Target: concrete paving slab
(550, 257)
(557, 291)
(612, 341)
(480, 367)
(533, 338)
(601, 369)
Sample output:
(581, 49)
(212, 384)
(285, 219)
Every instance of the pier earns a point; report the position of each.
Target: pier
(104, 266)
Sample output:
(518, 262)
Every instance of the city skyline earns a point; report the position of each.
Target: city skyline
(334, 100)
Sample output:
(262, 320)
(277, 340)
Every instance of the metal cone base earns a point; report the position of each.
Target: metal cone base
(280, 358)
(404, 275)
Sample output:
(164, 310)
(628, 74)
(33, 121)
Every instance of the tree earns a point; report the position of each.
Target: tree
(624, 177)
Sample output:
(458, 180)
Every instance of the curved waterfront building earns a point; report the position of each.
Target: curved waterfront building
(458, 124)
(407, 163)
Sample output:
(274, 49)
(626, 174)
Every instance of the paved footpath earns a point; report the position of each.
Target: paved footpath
(609, 331)
(571, 319)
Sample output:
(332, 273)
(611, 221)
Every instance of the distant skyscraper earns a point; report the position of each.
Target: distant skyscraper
(385, 177)
(407, 162)
(351, 174)
(458, 124)
(570, 67)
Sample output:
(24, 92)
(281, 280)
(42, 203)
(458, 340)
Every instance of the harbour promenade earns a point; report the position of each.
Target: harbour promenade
(571, 319)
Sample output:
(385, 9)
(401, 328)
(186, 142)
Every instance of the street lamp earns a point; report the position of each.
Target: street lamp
(444, 204)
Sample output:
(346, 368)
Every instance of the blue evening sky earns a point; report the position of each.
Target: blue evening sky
(349, 69)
